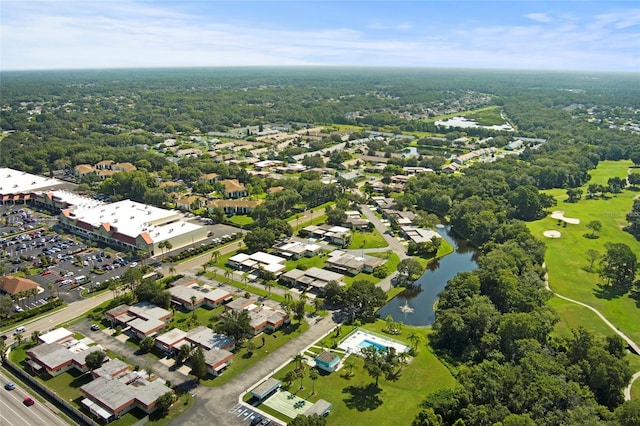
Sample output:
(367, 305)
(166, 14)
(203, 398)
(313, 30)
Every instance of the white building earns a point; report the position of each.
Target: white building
(131, 225)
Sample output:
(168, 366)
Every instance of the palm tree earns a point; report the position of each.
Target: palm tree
(298, 358)
(172, 270)
(227, 274)
(34, 336)
(300, 374)
(162, 245)
(168, 245)
(349, 366)
(193, 305)
(245, 279)
(268, 284)
(19, 338)
(317, 303)
(215, 255)
(415, 339)
(313, 375)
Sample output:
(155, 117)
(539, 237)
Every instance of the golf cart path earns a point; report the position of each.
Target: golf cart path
(633, 345)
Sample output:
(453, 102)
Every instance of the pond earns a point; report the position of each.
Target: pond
(414, 306)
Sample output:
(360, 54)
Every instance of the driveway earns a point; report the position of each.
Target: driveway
(218, 405)
(103, 338)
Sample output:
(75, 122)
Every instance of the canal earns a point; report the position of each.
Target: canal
(414, 306)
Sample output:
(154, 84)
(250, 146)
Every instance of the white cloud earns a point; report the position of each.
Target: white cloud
(43, 35)
(538, 17)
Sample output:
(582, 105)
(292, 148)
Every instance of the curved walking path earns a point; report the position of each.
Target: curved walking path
(633, 345)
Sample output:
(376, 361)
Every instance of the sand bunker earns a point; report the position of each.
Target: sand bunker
(560, 216)
(552, 234)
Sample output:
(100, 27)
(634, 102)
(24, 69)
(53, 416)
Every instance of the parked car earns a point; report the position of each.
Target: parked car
(95, 327)
(28, 401)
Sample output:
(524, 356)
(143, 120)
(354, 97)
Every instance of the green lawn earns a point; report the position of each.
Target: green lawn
(572, 316)
(367, 240)
(566, 257)
(306, 262)
(355, 398)
(243, 360)
(489, 116)
(241, 220)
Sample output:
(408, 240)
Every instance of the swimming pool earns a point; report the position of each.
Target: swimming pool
(366, 343)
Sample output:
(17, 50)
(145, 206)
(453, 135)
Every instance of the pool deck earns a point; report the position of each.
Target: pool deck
(352, 343)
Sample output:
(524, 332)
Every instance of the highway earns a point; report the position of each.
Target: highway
(14, 412)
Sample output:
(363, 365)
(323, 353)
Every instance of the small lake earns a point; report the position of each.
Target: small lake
(414, 306)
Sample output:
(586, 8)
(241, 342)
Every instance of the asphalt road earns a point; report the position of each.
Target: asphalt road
(14, 412)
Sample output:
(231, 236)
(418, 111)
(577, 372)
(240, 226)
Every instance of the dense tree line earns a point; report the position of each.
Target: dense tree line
(494, 325)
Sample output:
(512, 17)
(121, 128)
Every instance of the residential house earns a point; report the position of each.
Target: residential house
(191, 201)
(171, 341)
(291, 249)
(353, 265)
(193, 296)
(256, 262)
(338, 235)
(111, 397)
(55, 358)
(209, 178)
(327, 361)
(262, 317)
(313, 277)
(234, 189)
(233, 207)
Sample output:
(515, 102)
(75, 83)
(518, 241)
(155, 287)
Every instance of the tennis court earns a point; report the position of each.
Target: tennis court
(287, 403)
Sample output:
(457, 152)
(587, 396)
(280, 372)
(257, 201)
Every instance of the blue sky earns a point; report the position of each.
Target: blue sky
(67, 34)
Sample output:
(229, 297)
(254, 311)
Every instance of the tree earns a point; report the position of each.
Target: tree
(34, 336)
(132, 277)
(165, 401)
(298, 310)
(259, 239)
(363, 297)
(193, 299)
(373, 362)
(618, 266)
(349, 366)
(6, 305)
(95, 359)
(335, 216)
(168, 246)
(183, 354)
(146, 344)
(633, 217)
(317, 303)
(592, 256)
(574, 195)
(410, 269)
(595, 226)
(427, 417)
(313, 375)
(628, 414)
(312, 420)
(172, 270)
(300, 375)
(198, 364)
(298, 359)
(414, 339)
(237, 324)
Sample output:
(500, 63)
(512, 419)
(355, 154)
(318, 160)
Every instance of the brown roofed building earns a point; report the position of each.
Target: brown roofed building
(232, 207)
(209, 178)
(234, 189)
(15, 285)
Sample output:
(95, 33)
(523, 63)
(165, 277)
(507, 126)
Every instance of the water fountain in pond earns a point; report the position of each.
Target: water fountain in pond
(406, 309)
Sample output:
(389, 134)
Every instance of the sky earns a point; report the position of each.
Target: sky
(540, 35)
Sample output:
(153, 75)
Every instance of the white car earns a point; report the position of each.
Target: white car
(133, 264)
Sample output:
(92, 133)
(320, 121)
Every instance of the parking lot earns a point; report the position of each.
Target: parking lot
(66, 264)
